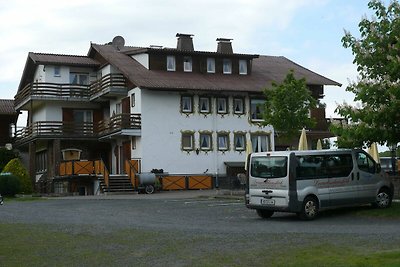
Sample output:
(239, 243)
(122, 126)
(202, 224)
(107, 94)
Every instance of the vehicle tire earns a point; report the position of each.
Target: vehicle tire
(309, 210)
(265, 214)
(383, 199)
(149, 189)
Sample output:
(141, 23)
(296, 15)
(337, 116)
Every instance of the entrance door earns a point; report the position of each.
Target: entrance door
(126, 154)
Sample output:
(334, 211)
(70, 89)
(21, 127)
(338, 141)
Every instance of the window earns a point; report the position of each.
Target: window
(260, 143)
(57, 72)
(83, 120)
(256, 109)
(186, 104)
(223, 141)
(243, 67)
(324, 166)
(187, 141)
(170, 63)
(118, 109)
(133, 142)
(41, 161)
(238, 106)
(269, 167)
(210, 65)
(204, 105)
(187, 64)
(133, 100)
(205, 141)
(365, 162)
(239, 141)
(222, 105)
(79, 78)
(227, 66)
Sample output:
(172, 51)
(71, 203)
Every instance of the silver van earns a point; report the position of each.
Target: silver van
(305, 182)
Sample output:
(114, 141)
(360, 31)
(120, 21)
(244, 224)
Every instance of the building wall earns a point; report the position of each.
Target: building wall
(142, 59)
(162, 123)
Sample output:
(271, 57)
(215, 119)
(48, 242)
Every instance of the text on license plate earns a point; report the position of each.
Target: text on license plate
(265, 201)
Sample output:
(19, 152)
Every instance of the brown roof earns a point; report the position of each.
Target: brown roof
(265, 70)
(40, 58)
(7, 107)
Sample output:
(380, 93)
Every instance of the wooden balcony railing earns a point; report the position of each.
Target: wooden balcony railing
(119, 122)
(52, 91)
(84, 167)
(45, 90)
(108, 81)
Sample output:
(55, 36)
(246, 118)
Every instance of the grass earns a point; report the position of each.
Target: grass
(44, 245)
(392, 212)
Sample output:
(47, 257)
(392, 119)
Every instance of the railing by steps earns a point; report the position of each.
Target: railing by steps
(132, 168)
(81, 167)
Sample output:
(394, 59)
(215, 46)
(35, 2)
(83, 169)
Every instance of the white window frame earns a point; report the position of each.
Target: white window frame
(185, 98)
(227, 66)
(242, 136)
(223, 141)
(79, 78)
(260, 142)
(210, 65)
(207, 137)
(225, 105)
(187, 64)
(191, 141)
(57, 71)
(256, 109)
(207, 101)
(171, 63)
(236, 101)
(242, 67)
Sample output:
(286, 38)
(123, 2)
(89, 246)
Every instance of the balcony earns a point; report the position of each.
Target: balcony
(121, 124)
(109, 86)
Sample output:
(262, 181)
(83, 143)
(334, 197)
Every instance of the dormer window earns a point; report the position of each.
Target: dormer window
(243, 67)
(187, 64)
(227, 66)
(210, 65)
(170, 63)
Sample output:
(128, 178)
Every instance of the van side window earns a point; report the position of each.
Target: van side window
(365, 162)
(323, 166)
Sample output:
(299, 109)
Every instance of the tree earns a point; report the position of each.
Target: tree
(16, 168)
(287, 106)
(376, 118)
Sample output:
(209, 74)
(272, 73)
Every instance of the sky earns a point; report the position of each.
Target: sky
(307, 32)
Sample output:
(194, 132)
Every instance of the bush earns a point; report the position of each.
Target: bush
(9, 185)
(5, 156)
(16, 168)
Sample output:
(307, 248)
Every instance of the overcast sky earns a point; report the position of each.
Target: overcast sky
(308, 32)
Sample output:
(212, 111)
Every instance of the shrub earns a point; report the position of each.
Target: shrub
(16, 168)
(5, 156)
(9, 185)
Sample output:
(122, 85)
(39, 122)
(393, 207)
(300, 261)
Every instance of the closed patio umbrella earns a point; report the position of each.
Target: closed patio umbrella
(373, 151)
(303, 140)
(249, 150)
(319, 144)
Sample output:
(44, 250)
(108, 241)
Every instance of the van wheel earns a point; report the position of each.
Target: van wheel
(149, 189)
(383, 199)
(309, 209)
(265, 214)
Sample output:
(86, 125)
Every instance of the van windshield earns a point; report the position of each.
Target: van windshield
(268, 167)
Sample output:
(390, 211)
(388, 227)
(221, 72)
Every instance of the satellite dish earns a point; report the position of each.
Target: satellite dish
(118, 42)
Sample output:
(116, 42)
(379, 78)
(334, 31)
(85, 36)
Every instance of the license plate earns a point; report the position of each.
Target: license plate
(267, 201)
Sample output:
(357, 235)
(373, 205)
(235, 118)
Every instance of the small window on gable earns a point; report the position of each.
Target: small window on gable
(204, 105)
(222, 105)
(187, 64)
(210, 65)
(187, 141)
(227, 66)
(238, 106)
(243, 67)
(186, 104)
(223, 141)
(57, 72)
(239, 141)
(205, 141)
(170, 63)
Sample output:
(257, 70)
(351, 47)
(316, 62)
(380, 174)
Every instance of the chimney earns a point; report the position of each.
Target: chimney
(224, 46)
(185, 42)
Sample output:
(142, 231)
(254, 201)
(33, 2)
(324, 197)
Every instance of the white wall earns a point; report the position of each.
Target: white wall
(142, 59)
(162, 124)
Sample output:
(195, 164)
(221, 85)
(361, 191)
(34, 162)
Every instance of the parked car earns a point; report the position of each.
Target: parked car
(387, 166)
